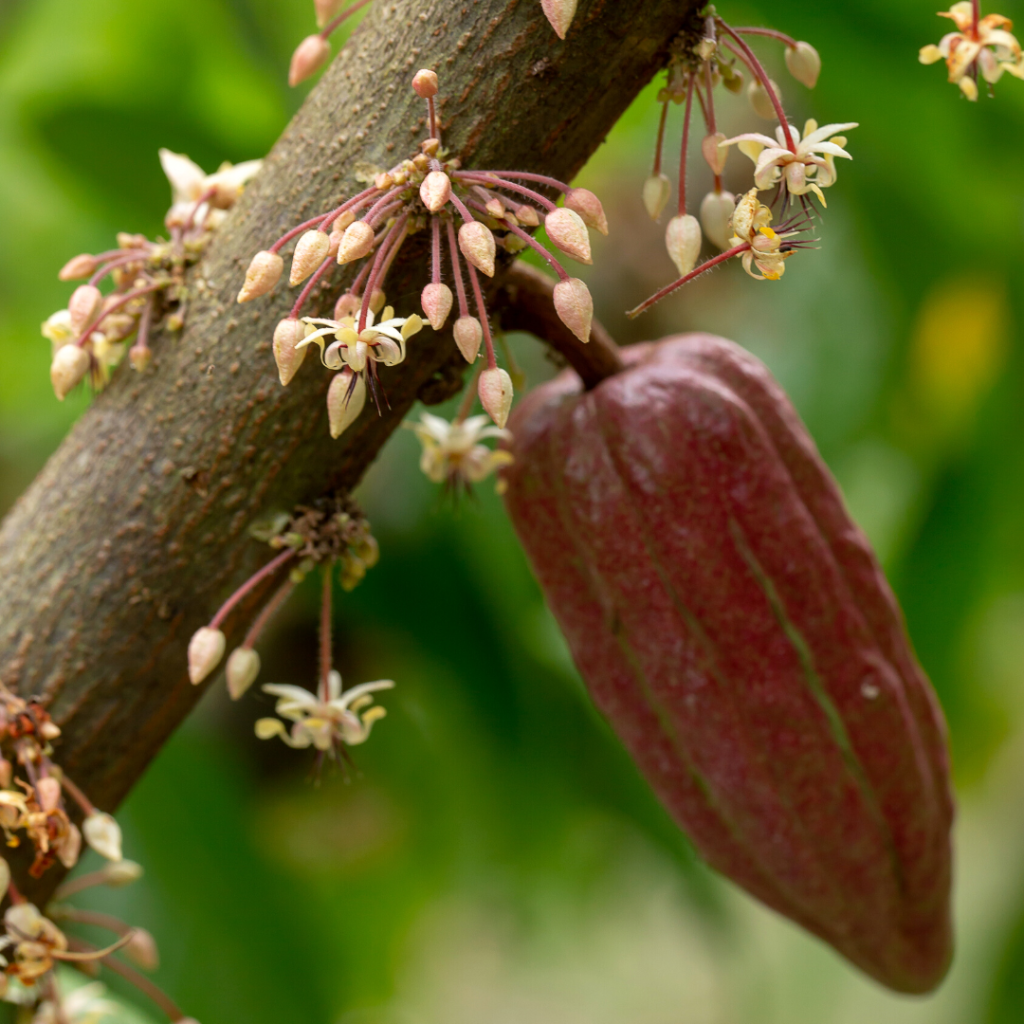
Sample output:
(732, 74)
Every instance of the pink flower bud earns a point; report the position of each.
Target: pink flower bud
(84, 305)
(287, 335)
(468, 336)
(560, 14)
(714, 152)
(761, 101)
(715, 216)
(310, 251)
(309, 56)
(496, 208)
(574, 306)
(683, 240)
(657, 189)
(804, 64)
(495, 391)
(70, 364)
(566, 229)
(347, 305)
(356, 242)
(527, 216)
(78, 266)
(242, 669)
(122, 872)
(205, 650)
(141, 950)
(478, 246)
(435, 191)
(326, 9)
(588, 206)
(345, 401)
(437, 304)
(48, 791)
(264, 272)
(424, 84)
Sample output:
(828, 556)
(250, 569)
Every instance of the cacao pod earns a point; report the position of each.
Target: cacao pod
(734, 626)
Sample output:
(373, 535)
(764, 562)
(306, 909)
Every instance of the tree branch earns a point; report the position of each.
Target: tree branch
(136, 529)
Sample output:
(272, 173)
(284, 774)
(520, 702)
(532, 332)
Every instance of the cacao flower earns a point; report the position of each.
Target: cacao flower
(734, 626)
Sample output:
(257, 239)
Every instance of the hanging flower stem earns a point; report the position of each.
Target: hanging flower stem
(335, 22)
(486, 179)
(670, 288)
(460, 285)
(268, 570)
(325, 632)
(659, 144)
(492, 363)
(757, 69)
(394, 238)
(684, 147)
(268, 611)
(769, 32)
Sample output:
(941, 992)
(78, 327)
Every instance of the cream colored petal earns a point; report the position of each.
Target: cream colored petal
(186, 176)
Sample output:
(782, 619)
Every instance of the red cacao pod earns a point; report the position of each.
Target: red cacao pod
(734, 626)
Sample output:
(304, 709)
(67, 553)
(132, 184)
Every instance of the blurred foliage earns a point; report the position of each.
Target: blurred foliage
(493, 856)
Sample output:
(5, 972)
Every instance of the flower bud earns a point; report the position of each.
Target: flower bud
(377, 300)
(242, 669)
(468, 336)
(574, 306)
(205, 650)
(356, 242)
(761, 101)
(264, 272)
(78, 266)
(141, 950)
(326, 9)
(436, 301)
(527, 216)
(495, 391)
(84, 306)
(804, 63)
(496, 208)
(310, 251)
(560, 14)
(657, 190)
(714, 152)
(103, 834)
(70, 364)
(122, 872)
(715, 216)
(683, 241)
(48, 792)
(588, 206)
(566, 229)
(477, 245)
(342, 221)
(287, 335)
(424, 83)
(732, 78)
(345, 400)
(309, 56)
(435, 191)
(347, 305)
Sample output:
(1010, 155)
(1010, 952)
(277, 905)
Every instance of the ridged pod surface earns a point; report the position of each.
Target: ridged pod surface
(734, 626)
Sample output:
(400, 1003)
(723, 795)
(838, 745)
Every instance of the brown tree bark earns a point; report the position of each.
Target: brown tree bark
(136, 529)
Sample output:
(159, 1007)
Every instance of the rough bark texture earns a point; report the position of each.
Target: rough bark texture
(137, 527)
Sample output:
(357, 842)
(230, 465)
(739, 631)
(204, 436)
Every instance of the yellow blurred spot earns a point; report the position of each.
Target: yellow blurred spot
(960, 345)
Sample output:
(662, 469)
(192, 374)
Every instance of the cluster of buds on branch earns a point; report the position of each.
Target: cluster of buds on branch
(314, 51)
(89, 337)
(474, 213)
(34, 808)
(333, 535)
(980, 46)
(792, 165)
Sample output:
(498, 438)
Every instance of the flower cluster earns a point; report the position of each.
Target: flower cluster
(475, 213)
(331, 534)
(34, 808)
(979, 45)
(90, 335)
(792, 165)
(314, 51)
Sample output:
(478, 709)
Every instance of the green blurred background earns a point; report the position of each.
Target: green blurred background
(495, 859)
